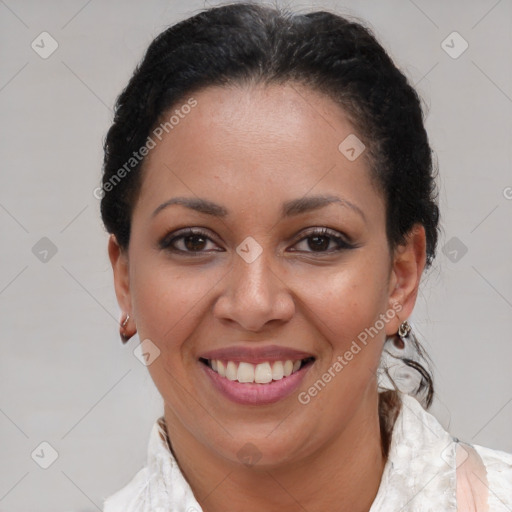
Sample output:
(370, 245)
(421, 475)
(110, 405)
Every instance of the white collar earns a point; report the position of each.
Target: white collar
(419, 475)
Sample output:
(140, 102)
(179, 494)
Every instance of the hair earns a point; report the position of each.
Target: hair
(248, 44)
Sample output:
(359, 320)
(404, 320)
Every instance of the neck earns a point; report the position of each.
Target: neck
(344, 474)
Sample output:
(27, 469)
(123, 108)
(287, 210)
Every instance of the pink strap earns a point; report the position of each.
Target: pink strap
(472, 485)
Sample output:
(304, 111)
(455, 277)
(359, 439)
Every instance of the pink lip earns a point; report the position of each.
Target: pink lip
(253, 393)
(255, 355)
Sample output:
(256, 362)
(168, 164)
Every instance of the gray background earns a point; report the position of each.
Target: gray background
(66, 378)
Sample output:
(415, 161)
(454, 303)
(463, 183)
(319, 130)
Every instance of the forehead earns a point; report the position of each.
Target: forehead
(256, 145)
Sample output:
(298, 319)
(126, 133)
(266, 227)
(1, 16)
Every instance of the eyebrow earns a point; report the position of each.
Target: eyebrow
(289, 208)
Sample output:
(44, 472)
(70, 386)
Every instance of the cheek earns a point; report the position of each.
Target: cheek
(347, 310)
(167, 300)
(168, 305)
(344, 301)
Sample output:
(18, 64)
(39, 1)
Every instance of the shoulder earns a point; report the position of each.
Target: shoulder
(482, 476)
(496, 461)
(498, 476)
(429, 469)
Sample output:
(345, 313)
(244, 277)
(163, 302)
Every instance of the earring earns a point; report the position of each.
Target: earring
(403, 332)
(122, 333)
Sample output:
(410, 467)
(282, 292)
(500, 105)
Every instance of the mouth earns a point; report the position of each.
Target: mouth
(255, 376)
(265, 372)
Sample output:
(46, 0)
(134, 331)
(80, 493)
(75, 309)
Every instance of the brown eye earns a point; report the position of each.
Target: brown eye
(319, 241)
(194, 242)
(189, 241)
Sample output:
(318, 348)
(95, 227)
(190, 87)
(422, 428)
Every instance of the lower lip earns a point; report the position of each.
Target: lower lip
(253, 393)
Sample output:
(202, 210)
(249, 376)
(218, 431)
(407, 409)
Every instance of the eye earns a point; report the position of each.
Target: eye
(192, 241)
(319, 241)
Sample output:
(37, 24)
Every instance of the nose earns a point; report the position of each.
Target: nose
(255, 295)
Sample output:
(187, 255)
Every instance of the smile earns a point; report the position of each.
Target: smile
(261, 373)
(258, 383)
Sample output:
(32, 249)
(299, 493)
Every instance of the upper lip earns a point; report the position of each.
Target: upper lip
(255, 354)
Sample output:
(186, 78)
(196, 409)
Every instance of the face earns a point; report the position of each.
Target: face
(265, 276)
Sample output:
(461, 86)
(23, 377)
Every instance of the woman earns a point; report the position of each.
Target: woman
(269, 192)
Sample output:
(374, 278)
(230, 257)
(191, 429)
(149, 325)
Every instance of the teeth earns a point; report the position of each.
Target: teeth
(261, 373)
(288, 368)
(231, 371)
(245, 372)
(277, 370)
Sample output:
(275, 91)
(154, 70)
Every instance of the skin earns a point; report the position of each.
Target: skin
(250, 149)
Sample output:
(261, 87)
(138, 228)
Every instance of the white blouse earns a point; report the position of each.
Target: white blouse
(427, 470)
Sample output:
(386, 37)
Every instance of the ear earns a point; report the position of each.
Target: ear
(407, 268)
(119, 260)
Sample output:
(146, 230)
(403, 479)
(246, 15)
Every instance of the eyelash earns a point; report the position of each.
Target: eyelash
(167, 242)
